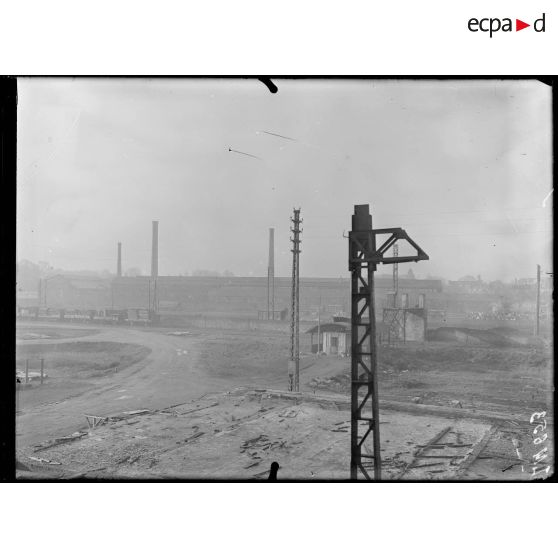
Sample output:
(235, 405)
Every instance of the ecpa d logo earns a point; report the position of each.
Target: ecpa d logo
(494, 24)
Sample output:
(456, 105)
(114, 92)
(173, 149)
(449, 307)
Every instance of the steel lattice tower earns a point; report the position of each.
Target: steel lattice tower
(364, 257)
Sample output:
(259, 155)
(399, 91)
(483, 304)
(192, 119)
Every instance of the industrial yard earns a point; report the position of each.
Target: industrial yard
(218, 378)
(213, 403)
(329, 278)
(278, 314)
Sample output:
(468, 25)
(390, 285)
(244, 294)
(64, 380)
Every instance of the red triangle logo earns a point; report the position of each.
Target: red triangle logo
(519, 25)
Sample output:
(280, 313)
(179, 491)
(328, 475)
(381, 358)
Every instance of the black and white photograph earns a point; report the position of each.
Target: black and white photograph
(284, 279)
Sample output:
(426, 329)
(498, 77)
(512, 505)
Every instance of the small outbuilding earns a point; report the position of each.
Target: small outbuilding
(331, 338)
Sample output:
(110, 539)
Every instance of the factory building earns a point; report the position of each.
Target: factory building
(75, 292)
(247, 296)
(235, 296)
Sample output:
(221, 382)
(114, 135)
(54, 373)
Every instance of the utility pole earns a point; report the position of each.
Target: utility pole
(395, 275)
(537, 317)
(364, 257)
(119, 260)
(294, 380)
(319, 323)
(154, 301)
(271, 278)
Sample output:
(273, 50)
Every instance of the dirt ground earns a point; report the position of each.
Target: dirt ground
(174, 369)
(237, 435)
(512, 379)
(486, 394)
(26, 333)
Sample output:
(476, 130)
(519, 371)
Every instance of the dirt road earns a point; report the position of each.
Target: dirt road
(179, 369)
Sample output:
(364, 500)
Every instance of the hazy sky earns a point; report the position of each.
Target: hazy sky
(464, 167)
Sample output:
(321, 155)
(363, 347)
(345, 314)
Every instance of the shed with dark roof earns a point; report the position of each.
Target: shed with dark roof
(332, 338)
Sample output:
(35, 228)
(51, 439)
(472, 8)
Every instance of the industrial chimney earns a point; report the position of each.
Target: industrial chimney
(271, 277)
(155, 251)
(119, 261)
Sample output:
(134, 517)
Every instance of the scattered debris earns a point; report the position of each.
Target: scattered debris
(244, 421)
(441, 456)
(341, 429)
(432, 442)
(473, 454)
(337, 383)
(260, 443)
(194, 436)
(198, 409)
(415, 466)
(42, 460)
(501, 456)
(290, 413)
(417, 454)
(58, 441)
(94, 421)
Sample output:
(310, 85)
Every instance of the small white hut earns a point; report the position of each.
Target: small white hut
(331, 338)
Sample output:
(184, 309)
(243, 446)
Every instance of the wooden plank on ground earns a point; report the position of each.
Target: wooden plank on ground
(474, 453)
(417, 454)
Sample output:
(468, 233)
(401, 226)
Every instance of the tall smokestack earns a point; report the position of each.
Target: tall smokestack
(119, 261)
(271, 277)
(155, 251)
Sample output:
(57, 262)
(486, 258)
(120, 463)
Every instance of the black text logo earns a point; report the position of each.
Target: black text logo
(493, 25)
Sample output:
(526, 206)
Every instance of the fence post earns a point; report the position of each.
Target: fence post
(42, 369)
(26, 370)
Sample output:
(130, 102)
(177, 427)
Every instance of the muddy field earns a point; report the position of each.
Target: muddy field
(114, 370)
(30, 332)
(512, 378)
(82, 358)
